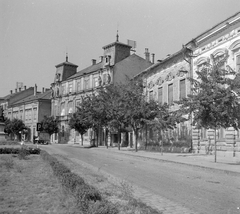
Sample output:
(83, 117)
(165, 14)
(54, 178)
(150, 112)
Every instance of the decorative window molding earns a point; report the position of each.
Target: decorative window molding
(235, 45)
(202, 60)
(219, 52)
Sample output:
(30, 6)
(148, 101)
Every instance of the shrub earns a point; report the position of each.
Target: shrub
(88, 199)
(29, 151)
(23, 153)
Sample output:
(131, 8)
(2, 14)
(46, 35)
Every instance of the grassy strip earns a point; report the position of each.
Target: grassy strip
(89, 199)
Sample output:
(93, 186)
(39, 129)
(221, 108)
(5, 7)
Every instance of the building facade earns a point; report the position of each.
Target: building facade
(116, 63)
(166, 82)
(31, 110)
(221, 41)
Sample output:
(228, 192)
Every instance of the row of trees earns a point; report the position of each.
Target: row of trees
(16, 127)
(120, 107)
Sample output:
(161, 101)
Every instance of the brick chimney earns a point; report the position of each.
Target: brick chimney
(43, 90)
(10, 91)
(153, 55)
(147, 54)
(35, 90)
(94, 61)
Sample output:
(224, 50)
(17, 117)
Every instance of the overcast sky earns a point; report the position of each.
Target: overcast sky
(36, 34)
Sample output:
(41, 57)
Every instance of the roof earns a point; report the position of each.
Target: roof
(66, 63)
(7, 97)
(116, 43)
(39, 96)
(217, 27)
(159, 63)
(87, 70)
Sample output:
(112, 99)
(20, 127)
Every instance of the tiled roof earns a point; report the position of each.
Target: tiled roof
(87, 70)
(39, 96)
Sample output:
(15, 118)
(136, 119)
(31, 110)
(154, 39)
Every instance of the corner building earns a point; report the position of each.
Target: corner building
(221, 41)
(70, 86)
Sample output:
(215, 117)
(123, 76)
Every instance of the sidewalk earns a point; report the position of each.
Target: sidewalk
(227, 164)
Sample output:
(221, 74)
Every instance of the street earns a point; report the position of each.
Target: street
(179, 187)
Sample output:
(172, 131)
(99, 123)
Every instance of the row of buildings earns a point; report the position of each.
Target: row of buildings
(165, 81)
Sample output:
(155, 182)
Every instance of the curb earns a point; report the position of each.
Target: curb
(188, 164)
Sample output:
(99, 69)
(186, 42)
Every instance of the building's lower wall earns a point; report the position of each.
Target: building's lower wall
(229, 145)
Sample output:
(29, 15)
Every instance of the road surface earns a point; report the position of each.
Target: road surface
(178, 186)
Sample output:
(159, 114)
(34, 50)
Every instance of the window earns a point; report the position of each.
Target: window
(35, 114)
(70, 87)
(160, 95)
(79, 85)
(70, 107)
(62, 109)
(104, 78)
(86, 83)
(182, 89)
(150, 95)
(95, 81)
(238, 63)
(170, 94)
(63, 89)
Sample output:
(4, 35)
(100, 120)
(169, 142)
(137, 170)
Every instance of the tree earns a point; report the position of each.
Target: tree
(138, 111)
(79, 121)
(50, 125)
(214, 102)
(112, 101)
(15, 126)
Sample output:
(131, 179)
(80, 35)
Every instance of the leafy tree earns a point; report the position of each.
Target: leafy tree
(14, 126)
(112, 101)
(79, 121)
(214, 102)
(50, 125)
(138, 111)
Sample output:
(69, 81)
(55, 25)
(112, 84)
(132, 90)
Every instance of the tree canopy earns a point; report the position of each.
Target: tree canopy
(50, 124)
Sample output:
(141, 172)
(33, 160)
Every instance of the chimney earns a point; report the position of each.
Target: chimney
(147, 54)
(20, 89)
(15, 90)
(94, 61)
(10, 91)
(35, 90)
(43, 90)
(153, 55)
(25, 87)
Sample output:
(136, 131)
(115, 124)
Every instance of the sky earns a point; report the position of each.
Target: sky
(35, 35)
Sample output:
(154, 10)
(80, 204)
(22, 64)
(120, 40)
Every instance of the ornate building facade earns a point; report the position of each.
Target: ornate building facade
(70, 86)
(222, 40)
(166, 82)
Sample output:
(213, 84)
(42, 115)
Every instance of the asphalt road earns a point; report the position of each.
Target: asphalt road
(198, 189)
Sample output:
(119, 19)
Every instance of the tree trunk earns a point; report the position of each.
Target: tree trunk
(106, 138)
(215, 156)
(146, 134)
(119, 138)
(136, 140)
(82, 139)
